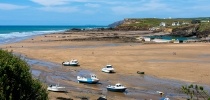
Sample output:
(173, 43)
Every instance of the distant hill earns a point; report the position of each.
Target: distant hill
(115, 24)
(199, 26)
(146, 23)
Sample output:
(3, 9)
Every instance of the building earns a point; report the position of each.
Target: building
(185, 23)
(176, 23)
(163, 24)
(204, 21)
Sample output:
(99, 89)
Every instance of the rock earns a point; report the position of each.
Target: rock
(186, 31)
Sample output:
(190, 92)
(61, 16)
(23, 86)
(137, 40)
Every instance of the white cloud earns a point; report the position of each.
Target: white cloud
(51, 2)
(60, 9)
(5, 6)
(150, 6)
(92, 5)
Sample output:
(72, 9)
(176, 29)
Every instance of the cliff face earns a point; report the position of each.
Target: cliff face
(186, 31)
(203, 34)
(201, 30)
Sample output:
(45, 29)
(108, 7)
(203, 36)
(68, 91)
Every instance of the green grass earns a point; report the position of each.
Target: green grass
(153, 22)
(204, 27)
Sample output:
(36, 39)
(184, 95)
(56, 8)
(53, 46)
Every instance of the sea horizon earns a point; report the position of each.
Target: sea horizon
(15, 33)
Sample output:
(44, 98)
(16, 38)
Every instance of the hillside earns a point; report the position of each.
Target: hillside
(199, 27)
(146, 23)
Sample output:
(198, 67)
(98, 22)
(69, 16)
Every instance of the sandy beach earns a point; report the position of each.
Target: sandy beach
(182, 63)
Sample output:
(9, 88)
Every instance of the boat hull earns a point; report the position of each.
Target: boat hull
(56, 89)
(116, 90)
(70, 65)
(107, 71)
(88, 81)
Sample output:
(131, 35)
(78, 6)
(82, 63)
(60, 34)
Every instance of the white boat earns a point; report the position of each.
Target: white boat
(108, 69)
(92, 79)
(166, 98)
(73, 62)
(116, 88)
(56, 88)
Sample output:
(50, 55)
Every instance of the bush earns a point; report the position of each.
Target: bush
(195, 92)
(16, 82)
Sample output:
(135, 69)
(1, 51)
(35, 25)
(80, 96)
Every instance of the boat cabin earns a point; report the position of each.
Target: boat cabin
(74, 61)
(93, 76)
(108, 66)
(118, 85)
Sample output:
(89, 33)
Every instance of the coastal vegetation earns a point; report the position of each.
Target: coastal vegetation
(146, 23)
(204, 30)
(199, 27)
(16, 82)
(195, 92)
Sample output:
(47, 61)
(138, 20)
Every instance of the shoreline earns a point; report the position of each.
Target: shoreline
(157, 60)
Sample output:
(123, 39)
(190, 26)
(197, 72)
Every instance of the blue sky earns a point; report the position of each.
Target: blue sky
(95, 12)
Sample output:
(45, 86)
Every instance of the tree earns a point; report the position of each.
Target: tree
(16, 82)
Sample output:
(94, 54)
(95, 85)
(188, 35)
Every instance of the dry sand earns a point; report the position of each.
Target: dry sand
(184, 62)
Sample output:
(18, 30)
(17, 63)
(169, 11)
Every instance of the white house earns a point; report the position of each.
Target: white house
(163, 24)
(175, 24)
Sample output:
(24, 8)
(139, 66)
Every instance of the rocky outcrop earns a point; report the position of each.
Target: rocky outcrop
(203, 34)
(186, 31)
(197, 30)
(204, 30)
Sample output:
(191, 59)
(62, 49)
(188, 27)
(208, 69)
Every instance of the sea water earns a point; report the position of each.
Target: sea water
(15, 33)
(170, 37)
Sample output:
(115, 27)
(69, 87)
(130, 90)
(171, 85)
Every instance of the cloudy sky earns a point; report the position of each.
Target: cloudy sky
(95, 12)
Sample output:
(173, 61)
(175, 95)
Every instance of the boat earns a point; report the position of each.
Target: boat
(108, 69)
(116, 88)
(91, 80)
(73, 62)
(56, 88)
(166, 98)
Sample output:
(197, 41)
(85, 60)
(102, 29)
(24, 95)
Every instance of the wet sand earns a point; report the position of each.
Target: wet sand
(167, 66)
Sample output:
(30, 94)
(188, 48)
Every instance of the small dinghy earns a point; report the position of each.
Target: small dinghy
(108, 69)
(116, 88)
(92, 79)
(73, 62)
(56, 88)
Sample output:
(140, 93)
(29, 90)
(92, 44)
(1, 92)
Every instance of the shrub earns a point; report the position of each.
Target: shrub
(16, 82)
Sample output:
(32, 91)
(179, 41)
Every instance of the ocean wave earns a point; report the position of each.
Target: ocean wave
(18, 36)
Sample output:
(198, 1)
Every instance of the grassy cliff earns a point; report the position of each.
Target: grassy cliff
(146, 23)
(199, 27)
